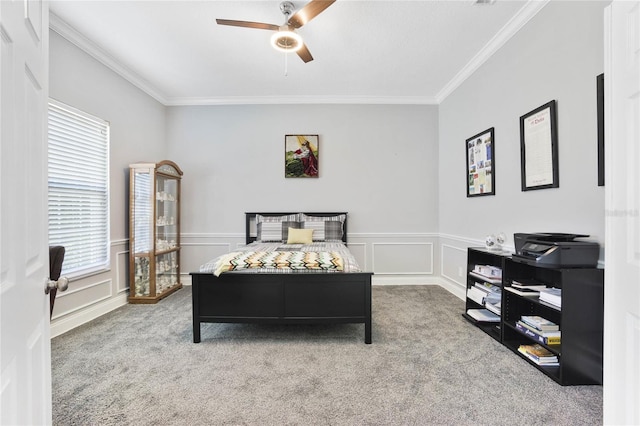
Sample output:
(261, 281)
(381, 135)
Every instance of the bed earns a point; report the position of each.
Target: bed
(335, 295)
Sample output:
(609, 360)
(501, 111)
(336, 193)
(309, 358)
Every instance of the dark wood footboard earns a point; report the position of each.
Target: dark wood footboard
(330, 298)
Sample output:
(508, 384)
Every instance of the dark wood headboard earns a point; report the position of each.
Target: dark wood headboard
(250, 221)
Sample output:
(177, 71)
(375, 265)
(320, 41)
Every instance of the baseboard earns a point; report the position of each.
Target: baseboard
(185, 279)
(398, 279)
(456, 290)
(76, 319)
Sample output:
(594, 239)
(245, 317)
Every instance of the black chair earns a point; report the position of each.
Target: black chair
(56, 257)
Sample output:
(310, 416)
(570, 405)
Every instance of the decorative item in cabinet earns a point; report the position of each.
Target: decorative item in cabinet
(154, 231)
(484, 289)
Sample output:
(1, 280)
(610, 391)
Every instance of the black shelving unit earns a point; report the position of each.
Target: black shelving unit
(580, 318)
(481, 256)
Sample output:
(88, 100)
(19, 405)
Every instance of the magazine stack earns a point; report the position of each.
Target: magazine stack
(540, 329)
(551, 296)
(539, 355)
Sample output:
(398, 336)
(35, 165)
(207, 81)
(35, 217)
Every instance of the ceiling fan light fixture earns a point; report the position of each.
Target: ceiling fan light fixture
(286, 41)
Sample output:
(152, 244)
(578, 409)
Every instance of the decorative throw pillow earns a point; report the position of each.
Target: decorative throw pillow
(289, 217)
(327, 228)
(269, 231)
(317, 227)
(285, 229)
(274, 228)
(333, 230)
(300, 236)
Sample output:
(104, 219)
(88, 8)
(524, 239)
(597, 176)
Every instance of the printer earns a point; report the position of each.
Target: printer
(555, 250)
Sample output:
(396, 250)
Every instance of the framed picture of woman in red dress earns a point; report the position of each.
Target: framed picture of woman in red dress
(301, 156)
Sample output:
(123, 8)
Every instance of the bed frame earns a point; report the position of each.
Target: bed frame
(311, 298)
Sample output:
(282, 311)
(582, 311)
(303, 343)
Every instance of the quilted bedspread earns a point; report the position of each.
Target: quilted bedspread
(281, 260)
(285, 258)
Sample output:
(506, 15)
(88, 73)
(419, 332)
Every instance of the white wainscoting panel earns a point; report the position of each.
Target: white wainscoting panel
(404, 258)
(453, 263)
(72, 301)
(193, 255)
(452, 257)
(122, 271)
(359, 251)
(453, 269)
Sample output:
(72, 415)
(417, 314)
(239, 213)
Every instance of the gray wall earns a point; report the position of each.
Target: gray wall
(378, 162)
(137, 134)
(372, 160)
(557, 55)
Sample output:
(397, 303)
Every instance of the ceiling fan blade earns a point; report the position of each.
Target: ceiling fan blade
(304, 53)
(248, 24)
(309, 11)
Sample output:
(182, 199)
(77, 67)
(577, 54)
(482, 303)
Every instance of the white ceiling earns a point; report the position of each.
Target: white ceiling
(364, 51)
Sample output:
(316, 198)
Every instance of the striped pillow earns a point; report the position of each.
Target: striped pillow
(329, 228)
(275, 228)
(269, 231)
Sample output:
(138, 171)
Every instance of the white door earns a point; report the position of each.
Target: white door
(25, 349)
(622, 214)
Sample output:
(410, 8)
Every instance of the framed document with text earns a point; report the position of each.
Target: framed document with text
(539, 148)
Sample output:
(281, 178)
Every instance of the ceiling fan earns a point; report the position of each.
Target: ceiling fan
(286, 39)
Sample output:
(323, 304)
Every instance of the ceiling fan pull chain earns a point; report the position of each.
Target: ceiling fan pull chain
(286, 65)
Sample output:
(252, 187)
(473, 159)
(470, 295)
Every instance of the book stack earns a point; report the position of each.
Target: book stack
(525, 287)
(486, 294)
(488, 273)
(540, 355)
(494, 306)
(530, 284)
(551, 296)
(540, 329)
(483, 315)
(476, 295)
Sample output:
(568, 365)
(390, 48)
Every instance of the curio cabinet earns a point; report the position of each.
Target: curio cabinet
(154, 231)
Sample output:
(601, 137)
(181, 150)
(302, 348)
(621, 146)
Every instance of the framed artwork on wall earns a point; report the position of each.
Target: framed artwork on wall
(481, 164)
(301, 156)
(539, 148)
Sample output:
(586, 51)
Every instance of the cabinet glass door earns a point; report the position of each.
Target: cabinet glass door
(166, 233)
(142, 213)
(166, 214)
(166, 271)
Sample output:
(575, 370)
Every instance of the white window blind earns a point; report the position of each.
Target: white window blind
(79, 188)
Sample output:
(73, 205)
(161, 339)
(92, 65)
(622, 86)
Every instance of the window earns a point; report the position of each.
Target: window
(79, 188)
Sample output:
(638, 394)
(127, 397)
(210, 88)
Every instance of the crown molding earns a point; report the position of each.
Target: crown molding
(298, 100)
(528, 11)
(73, 36)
